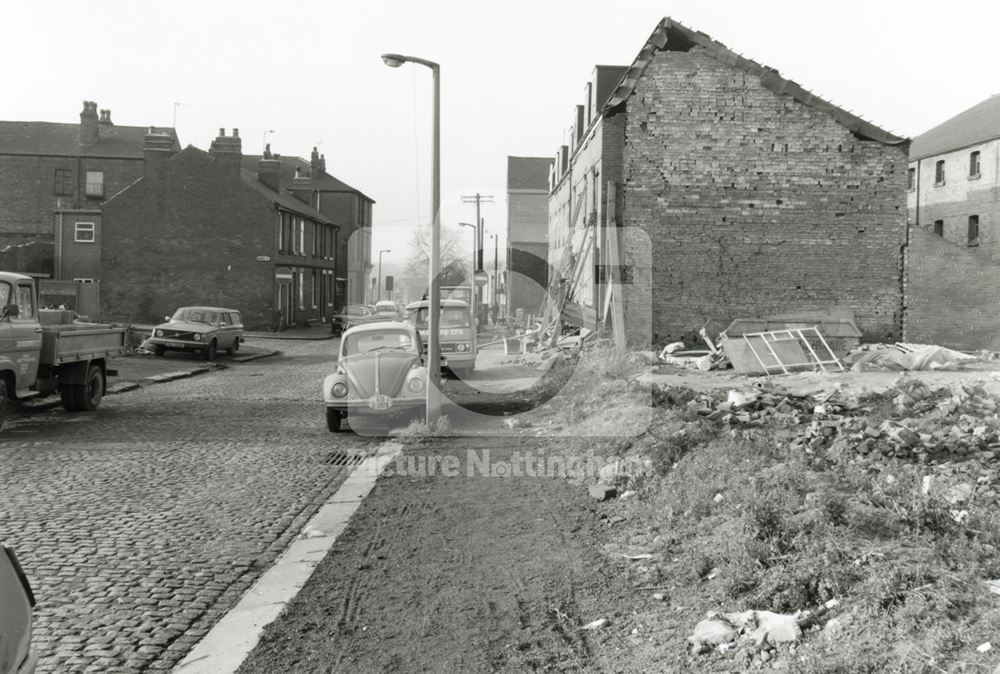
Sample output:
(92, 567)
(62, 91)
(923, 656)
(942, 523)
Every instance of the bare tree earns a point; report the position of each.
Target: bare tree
(454, 269)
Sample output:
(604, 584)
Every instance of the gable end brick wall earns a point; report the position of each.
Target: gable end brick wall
(757, 204)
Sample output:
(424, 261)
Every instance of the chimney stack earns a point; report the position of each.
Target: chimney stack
(228, 149)
(269, 170)
(157, 148)
(88, 123)
(318, 163)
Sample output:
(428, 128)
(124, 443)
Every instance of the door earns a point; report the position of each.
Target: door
(27, 335)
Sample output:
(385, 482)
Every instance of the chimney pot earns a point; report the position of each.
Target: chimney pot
(88, 123)
(222, 132)
(236, 133)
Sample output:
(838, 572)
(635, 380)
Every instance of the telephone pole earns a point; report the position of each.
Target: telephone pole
(478, 199)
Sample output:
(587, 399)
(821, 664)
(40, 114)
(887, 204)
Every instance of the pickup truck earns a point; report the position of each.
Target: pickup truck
(43, 352)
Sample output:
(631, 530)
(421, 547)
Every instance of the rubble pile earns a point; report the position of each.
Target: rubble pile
(910, 422)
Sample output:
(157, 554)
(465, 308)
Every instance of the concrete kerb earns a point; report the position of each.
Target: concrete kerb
(224, 648)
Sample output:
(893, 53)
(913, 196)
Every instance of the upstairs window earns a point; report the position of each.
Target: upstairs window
(84, 232)
(973, 230)
(95, 183)
(911, 179)
(974, 164)
(939, 172)
(63, 182)
(939, 227)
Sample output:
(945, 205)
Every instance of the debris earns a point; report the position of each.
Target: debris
(758, 627)
(993, 586)
(659, 596)
(960, 493)
(626, 495)
(984, 648)
(602, 492)
(718, 498)
(670, 348)
(906, 357)
(596, 624)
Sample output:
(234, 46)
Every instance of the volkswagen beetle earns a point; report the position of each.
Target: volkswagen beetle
(380, 370)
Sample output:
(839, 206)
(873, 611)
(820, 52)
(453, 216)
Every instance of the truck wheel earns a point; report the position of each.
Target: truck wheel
(5, 404)
(90, 393)
(210, 351)
(159, 349)
(333, 420)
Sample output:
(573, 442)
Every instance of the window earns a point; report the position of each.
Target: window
(281, 233)
(64, 182)
(974, 164)
(939, 172)
(224, 319)
(315, 295)
(85, 232)
(83, 280)
(302, 237)
(24, 302)
(939, 227)
(973, 230)
(95, 183)
(302, 282)
(911, 179)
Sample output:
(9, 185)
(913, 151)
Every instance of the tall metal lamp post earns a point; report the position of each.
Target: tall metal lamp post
(380, 271)
(434, 299)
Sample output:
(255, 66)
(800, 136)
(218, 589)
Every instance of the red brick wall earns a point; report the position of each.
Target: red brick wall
(189, 237)
(757, 204)
(952, 294)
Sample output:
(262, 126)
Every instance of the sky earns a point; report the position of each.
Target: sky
(309, 73)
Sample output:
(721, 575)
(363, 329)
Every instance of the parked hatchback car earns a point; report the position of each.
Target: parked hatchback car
(388, 310)
(17, 604)
(380, 370)
(351, 315)
(204, 330)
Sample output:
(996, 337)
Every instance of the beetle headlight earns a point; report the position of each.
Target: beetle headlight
(338, 390)
(159, 333)
(416, 384)
(197, 337)
(462, 347)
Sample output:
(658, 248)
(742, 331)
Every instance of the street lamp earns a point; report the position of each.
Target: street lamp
(380, 271)
(472, 277)
(434, 301)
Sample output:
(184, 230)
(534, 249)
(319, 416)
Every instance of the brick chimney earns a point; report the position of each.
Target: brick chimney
(104, 124)
(228, 150)
(88, 123)
(269, 169)
(318, 163)
(157, 148)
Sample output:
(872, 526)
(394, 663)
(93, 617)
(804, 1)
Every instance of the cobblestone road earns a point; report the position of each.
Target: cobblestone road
(141, 524)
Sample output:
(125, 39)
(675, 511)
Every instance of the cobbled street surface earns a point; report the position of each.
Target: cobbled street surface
(141, 524)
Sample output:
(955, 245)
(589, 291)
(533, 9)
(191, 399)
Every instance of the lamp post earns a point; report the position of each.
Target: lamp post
(434, 303)
(472, 276)
(380, 271)
(496, 271)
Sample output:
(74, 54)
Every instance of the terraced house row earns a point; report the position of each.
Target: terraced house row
(120, 222)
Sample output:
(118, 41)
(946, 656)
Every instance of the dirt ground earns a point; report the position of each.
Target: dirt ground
(458, 574)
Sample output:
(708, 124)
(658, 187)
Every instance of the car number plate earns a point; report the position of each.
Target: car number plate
(176, 345)
(380, 402)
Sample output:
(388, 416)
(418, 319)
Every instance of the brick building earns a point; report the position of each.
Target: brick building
(953, 202)
(199, 228)
(527, 232)
(350, 208)
(755, 197)
(53, 179)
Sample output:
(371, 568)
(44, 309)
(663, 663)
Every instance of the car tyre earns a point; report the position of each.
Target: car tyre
(210, 351)
(159, 349)
(333, 420)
